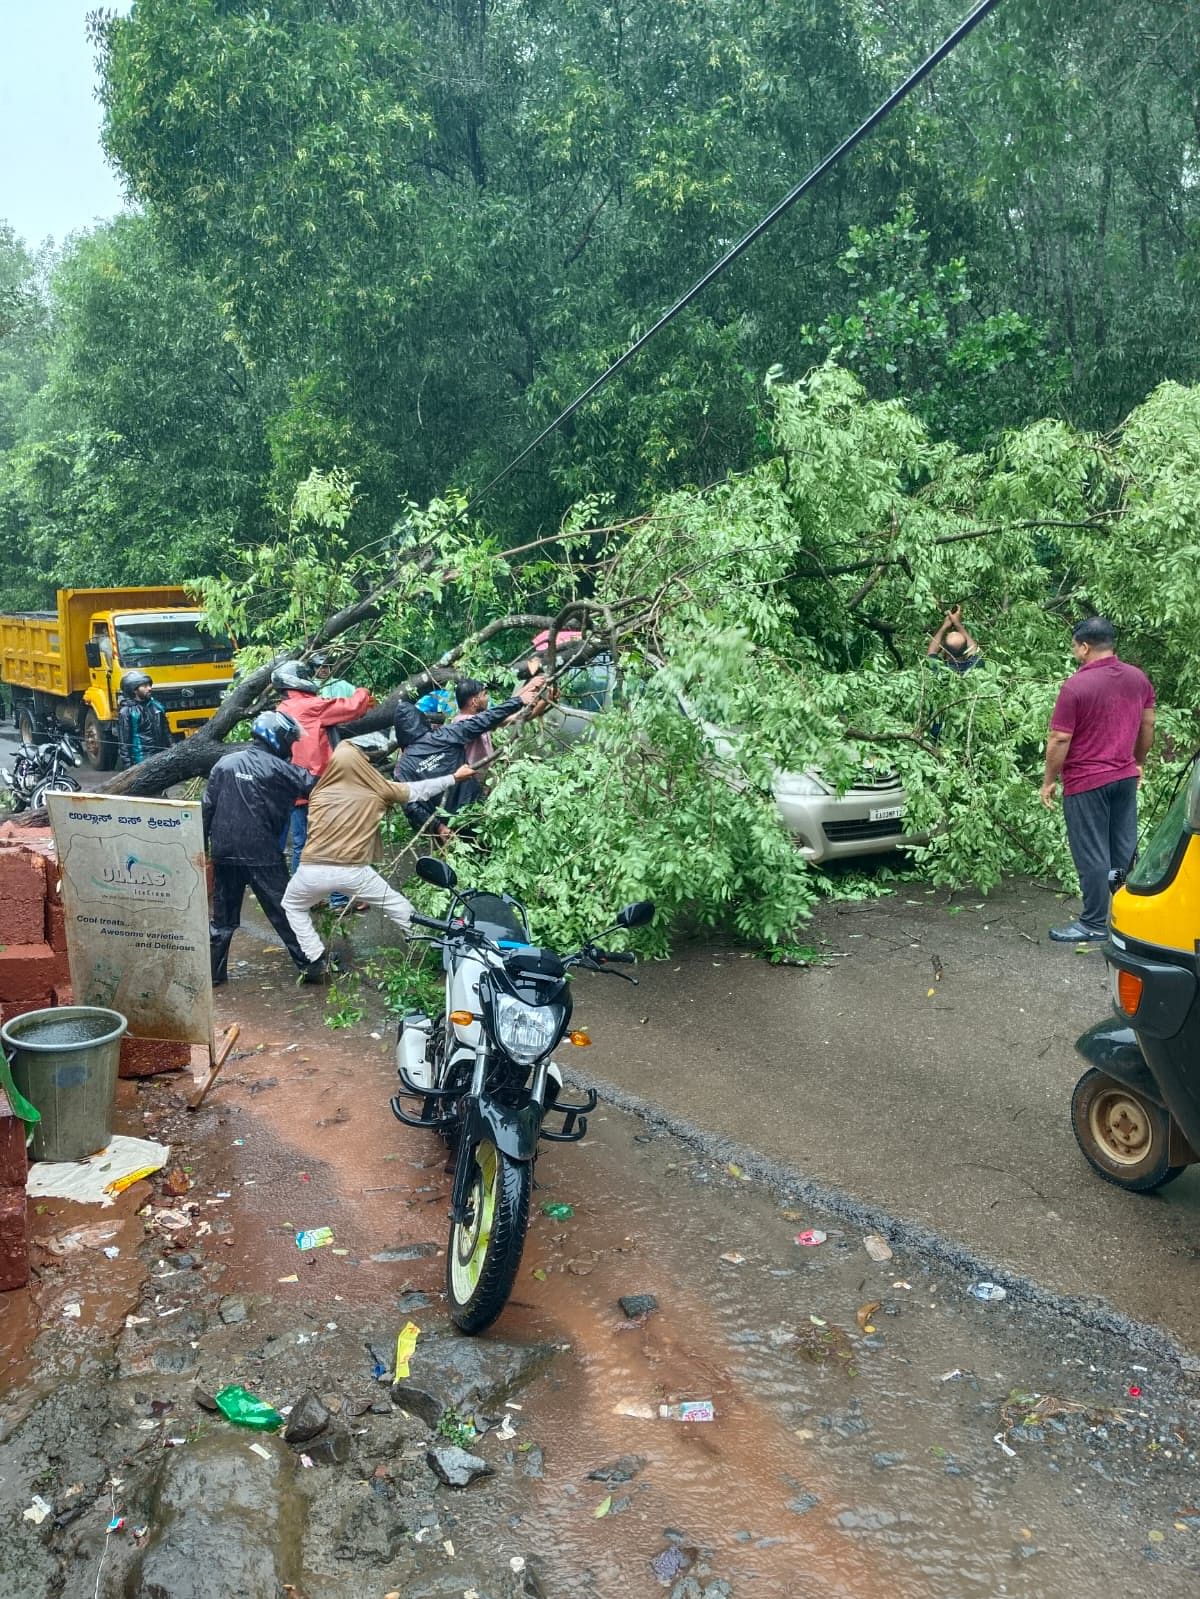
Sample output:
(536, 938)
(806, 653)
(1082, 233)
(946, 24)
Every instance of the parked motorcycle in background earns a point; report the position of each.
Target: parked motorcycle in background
(41, 769)
(485, 1079)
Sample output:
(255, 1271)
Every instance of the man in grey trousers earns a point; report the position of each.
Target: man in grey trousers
(1101, 731)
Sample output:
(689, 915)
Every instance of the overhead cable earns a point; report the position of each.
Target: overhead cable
(881, 112)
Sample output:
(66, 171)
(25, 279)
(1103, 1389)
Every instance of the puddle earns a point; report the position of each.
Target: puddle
(840, 1460)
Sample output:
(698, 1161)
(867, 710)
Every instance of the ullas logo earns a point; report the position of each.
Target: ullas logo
(133, 873)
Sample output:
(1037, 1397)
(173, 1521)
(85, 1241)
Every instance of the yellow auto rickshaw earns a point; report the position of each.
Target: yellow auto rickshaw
(1136, 1111)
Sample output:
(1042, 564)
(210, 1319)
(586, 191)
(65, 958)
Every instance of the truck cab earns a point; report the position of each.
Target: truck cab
(65, 666)
(191, 669)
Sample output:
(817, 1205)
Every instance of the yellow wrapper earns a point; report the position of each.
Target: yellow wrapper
(120, 1184)
(406, 1342)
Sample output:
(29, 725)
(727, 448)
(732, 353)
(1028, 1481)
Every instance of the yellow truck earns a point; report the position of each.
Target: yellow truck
(64, 668)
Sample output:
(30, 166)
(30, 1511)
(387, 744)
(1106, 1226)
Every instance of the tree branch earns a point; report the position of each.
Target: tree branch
(1095, 523)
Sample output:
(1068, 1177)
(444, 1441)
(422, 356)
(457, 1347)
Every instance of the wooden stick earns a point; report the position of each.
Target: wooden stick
(216, 1059)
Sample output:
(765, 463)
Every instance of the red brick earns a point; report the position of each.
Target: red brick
(14, 1246)
(18, 1007)
(29, 969)
(144, 1057)
(56, 927)
(13, 1164)
(22, 921)
(39, 838)
(22, 892)
(24, 867)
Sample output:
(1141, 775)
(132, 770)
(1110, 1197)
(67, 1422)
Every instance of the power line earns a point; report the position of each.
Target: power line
(951, 42)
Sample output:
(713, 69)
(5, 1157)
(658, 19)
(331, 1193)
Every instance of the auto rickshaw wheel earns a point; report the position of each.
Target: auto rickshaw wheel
(1123, 1136)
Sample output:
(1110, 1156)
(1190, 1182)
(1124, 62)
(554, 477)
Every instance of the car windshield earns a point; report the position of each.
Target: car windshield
(590, 687)
(168, 641)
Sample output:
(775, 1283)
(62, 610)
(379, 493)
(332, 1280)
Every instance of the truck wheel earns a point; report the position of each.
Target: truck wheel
(26, 725)
(99, 751)
(1122, 1135)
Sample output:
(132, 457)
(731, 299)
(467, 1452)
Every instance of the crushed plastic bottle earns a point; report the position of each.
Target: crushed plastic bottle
(557, 1210)
(988, 1292)
(245, 1409)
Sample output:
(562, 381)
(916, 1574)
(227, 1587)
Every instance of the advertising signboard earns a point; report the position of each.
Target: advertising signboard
(136, 906)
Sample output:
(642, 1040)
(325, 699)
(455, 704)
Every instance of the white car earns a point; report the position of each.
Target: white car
(866, 819)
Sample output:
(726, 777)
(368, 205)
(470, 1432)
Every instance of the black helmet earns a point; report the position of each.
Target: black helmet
(293, 677)
(130, 681)
(275, 731)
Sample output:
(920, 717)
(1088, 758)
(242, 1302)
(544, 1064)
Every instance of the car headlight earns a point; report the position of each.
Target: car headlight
(526, 1032)
(801, 783)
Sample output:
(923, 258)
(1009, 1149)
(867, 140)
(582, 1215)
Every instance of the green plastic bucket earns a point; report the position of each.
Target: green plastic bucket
(64, 1060)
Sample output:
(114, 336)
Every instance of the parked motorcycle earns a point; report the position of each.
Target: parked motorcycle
(485, 1079)
(42, 769)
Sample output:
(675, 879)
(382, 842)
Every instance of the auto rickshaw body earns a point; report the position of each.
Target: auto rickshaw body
(1136, 1111)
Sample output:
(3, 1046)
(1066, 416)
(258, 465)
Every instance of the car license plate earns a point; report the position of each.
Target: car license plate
(887, 813)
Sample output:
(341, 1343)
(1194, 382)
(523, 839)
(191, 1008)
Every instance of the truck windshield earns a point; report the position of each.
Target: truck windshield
(168, 641)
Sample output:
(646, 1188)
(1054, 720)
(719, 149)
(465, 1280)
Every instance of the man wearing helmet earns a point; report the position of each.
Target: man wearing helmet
(249, 796)
(142, 729)
(303, 702)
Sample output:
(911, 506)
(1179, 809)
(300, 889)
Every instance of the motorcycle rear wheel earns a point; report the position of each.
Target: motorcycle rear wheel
(485, 1252)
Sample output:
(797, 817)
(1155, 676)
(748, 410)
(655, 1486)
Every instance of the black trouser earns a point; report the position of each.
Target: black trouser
(1102, 833)
(231, 879)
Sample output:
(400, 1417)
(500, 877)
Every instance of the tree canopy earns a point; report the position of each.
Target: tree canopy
(377, 245)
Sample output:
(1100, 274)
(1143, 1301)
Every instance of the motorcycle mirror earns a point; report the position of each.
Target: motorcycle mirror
(432, 870)
(637, 914)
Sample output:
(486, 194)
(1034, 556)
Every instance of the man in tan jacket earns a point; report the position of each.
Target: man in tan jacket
(344, 813)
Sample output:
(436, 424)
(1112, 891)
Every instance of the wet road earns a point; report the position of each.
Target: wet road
(864, 1411)
(876, 1429)
(926, 1071)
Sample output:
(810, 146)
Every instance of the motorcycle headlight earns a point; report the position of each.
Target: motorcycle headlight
(526, 1032)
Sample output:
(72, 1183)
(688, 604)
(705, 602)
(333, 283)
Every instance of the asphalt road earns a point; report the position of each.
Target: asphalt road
(946, 1109)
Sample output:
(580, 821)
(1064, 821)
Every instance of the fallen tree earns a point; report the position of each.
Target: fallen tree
(779, 621)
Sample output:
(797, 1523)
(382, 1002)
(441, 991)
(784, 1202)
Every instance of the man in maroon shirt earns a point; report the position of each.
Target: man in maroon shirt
(1101, 731)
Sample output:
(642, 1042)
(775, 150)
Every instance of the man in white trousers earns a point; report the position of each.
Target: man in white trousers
(344, 813)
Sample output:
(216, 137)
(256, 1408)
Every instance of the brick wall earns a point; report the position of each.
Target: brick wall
(34, 974)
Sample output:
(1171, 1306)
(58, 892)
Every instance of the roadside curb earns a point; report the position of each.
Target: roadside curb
(1086, 1312)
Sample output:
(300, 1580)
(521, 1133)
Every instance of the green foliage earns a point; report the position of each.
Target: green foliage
(392, 240)
(768, 652)
(343, 1001)
(408, 980)
(915, 332)
(456, 1429)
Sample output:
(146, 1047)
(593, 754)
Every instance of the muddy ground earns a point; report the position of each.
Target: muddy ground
(876, 1428)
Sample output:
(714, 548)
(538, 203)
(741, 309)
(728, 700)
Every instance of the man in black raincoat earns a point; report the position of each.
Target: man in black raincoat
(250, 794)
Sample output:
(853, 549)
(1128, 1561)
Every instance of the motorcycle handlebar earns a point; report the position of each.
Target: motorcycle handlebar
(430, 921)
(624, 957)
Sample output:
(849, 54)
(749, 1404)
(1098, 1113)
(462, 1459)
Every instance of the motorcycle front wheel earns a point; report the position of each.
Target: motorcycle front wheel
(485, 1251)
(52, 785)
